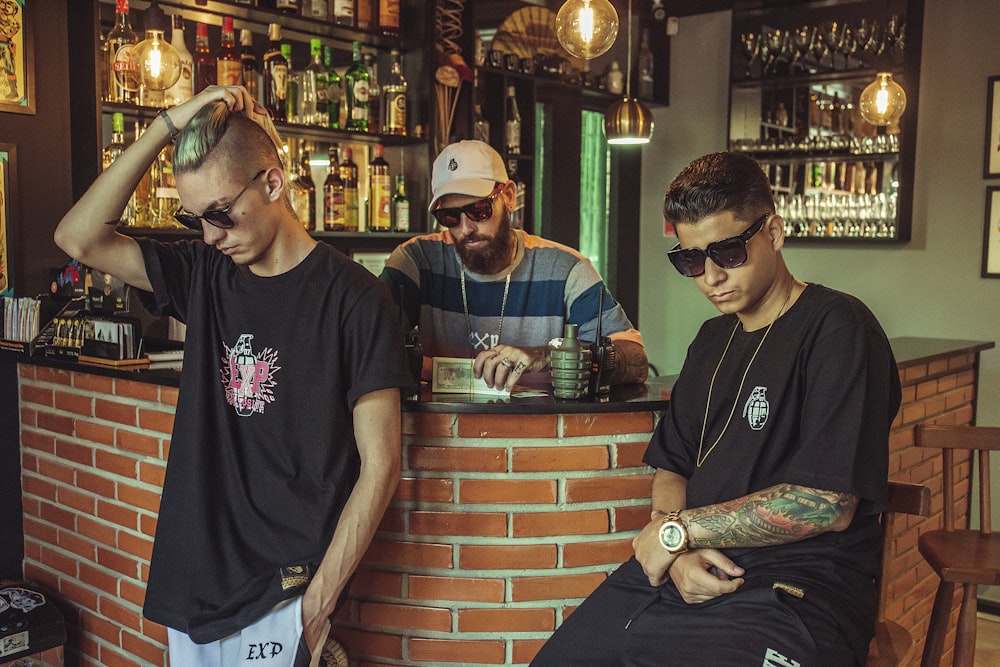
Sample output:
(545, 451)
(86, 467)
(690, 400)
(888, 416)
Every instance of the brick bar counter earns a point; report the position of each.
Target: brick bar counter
(507, 515)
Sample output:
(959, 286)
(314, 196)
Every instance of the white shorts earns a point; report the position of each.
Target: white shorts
(273, 641)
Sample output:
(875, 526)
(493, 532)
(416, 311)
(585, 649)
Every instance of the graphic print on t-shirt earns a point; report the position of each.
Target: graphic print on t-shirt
(757, 409)
(248, 378)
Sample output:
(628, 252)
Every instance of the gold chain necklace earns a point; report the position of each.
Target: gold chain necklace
(704, 424)
(465, 307)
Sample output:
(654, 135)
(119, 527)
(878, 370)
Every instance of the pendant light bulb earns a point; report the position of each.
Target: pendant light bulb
(883, 101)
(586, 28)
(159, 62)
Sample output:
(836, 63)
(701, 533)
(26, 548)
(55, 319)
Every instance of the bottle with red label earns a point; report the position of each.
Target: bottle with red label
(204, 61)
(228, 68)
(123, 73)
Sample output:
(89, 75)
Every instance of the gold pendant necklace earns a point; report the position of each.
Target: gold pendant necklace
(704, 424)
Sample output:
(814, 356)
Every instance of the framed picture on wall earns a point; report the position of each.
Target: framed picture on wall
(991, 166)
(17, 59)
(991, 234)
(7, 193)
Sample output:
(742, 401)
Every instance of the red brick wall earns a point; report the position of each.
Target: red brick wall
(501, 525)
(941, 391)
(93, 451)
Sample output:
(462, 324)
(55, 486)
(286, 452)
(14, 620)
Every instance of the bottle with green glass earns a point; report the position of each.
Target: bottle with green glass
(356, 81)
(291, 87)
(334, 89)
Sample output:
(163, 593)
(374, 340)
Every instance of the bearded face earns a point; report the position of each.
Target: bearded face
(487, 254)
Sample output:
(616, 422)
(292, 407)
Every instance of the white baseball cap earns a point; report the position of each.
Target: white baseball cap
(466, 168)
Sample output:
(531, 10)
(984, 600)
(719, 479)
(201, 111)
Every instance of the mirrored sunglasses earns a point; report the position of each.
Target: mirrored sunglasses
(478, 211)
(727, 253)
(217, 217)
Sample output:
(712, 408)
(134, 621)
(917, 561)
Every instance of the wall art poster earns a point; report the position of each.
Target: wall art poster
(17, 71)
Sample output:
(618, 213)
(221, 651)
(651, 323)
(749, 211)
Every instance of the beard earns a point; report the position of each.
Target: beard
(497, 253)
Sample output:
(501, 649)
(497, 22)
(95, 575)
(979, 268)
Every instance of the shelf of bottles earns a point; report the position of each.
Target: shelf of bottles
(793, 107)
(337, 116)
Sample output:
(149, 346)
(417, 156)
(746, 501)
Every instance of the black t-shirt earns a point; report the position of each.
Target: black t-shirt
(263, 456)
(815, 410)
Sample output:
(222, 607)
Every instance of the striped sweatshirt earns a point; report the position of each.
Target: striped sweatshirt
(550, 285)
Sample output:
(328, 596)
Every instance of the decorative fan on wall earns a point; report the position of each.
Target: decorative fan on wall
(528, 33)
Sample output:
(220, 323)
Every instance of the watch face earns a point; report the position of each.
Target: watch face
(671, 536)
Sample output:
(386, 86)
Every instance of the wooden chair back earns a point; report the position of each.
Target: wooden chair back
(893, 643)
(981, 440)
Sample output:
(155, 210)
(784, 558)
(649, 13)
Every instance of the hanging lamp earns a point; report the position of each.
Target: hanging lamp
(628, 122)
(587, 28)
(883, 101)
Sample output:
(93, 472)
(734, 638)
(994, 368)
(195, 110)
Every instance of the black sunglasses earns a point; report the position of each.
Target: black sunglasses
(217, 217)
(726, 253)
(477, 211)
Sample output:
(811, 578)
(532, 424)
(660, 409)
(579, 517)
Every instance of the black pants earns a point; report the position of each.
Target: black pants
(627, 622)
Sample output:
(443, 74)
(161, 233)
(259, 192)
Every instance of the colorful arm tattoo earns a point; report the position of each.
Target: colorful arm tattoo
(781, 514)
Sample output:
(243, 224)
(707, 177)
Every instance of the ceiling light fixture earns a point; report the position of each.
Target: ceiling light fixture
(628, 122)
(883, 101)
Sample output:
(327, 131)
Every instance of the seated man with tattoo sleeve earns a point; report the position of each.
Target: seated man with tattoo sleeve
(770, 463)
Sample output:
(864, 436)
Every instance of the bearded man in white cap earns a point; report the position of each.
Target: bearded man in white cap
(480, 288)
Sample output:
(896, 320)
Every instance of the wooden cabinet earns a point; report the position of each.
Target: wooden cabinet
(796, 77)
(409, 155)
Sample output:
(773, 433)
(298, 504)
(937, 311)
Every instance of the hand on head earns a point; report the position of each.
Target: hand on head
(237, 98)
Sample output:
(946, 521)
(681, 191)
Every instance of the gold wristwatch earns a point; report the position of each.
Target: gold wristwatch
(673, 533)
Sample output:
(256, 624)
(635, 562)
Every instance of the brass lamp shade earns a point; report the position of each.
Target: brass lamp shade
(628, 122)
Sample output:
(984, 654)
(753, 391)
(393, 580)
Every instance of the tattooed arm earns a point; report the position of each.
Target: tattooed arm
(781, 514)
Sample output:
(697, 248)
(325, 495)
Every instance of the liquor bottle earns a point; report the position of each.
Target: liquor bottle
(517, 213)
(388, 17)
(374, 94)
(480, 126)
(184, 88)
(249, 71)
(401, 206)
(364, 14)
(204, 61)
(333, 195)
(343, 12)
(313, 80)
(287, 6)
(349, 176)
(137, 211)
(292, 80)
(394, 93)
(512, 129)
(117, 144)
(123, 77)
(316, 9)
(228, 68)
(333, 90)
(379, 193)
(275, 75)
(645, 59)
(356, 92)
(308, 192)
(164, 201)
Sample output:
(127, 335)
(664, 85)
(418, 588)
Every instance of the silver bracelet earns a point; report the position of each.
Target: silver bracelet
(170, 124)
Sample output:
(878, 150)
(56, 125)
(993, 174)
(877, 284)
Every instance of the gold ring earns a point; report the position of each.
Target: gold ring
(507, 362)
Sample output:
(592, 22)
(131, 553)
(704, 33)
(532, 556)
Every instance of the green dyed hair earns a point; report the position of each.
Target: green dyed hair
(216, 134)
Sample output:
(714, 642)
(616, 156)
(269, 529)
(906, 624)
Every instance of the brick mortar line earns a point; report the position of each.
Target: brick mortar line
(90, 393)
(526, 475)
(501, 442)
(937, 376)
(76, 580)
(77, 558)
(101, 472)
(520, 508)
